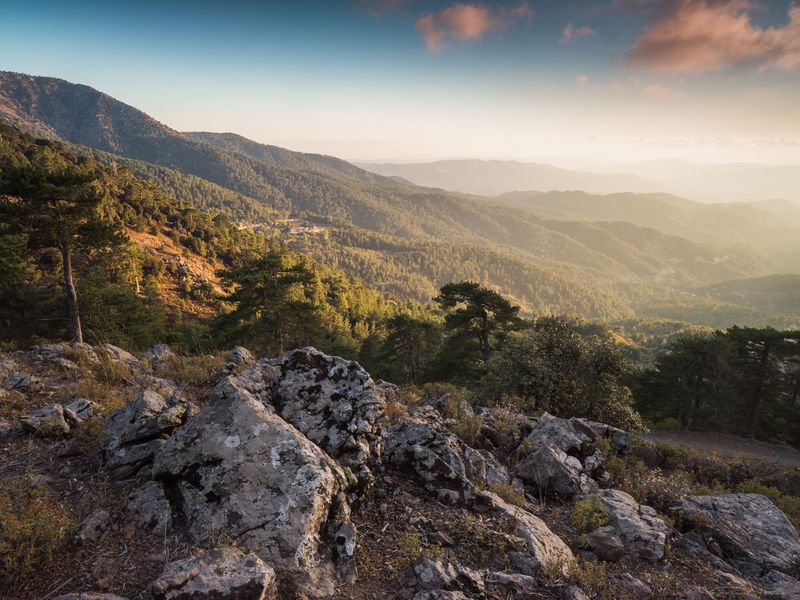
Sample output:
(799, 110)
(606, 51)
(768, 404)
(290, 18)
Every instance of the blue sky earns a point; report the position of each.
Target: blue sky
(613, 80)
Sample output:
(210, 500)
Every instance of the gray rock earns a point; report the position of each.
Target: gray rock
(483, 469)
(429, 574)
(139, 429)
(575, 593)
(542, 547)
(78, 411)
(639, 528)
(420, 444)
(241, 470)
(117, 354)
(511, 585)
(158, 355)
(23, 382)
(605, 543)
(440, 595)
(552, 472)
(46, 422)
(215, 574)
(150, 509)
(89, 596)
(621, 441)
(754, 535)
(636, 588)
(240, 356)
(93, 526)
(334, 403)
(779, 586)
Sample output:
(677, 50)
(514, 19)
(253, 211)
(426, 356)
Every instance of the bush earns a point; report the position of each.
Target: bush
(190, 370)
(509, 494)
(33, 526)
(467, 428)
(589, 514)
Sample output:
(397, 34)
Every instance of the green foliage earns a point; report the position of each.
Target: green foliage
(588, 514)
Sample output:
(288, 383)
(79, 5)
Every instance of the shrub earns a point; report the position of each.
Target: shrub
(111, 372)
(589, 514)
(33, 526)
(467, 428)
(507, 492)
(190, 370)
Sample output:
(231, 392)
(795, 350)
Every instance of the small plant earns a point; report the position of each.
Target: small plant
(91, 436)
(190, 370)
(410, 546)
(111, 372)
(509, 494)
(467, 428)
(593, 579)
(33, 526)
(395, 412)
(588, 514)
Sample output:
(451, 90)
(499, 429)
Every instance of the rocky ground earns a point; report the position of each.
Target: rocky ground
(164, 477)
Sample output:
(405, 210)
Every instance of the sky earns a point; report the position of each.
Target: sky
(571, 81)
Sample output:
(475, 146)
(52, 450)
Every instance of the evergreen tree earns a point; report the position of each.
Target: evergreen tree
(410, 344)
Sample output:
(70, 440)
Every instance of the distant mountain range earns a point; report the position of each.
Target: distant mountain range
(405, 239)
(704, 183)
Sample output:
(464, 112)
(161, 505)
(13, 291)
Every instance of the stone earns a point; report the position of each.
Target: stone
(421, 445)
(430, 574)
(93, 526)
(550, 470)
(238, 468)
(621, 441)
(636, 588)
(78, 411)
(334, 403)
(157, 356)
(239, 357)
(150, 509)
(46, 422)
(117, 354)
(575, 593)
(440, 595)
(511, 585)
(483, 469)
(639, 528)
(754, 535)
(89, 596)
(779, 586)
(216, 574)
(541, 547)
(605, 543)
(23, 382)
(138, 430)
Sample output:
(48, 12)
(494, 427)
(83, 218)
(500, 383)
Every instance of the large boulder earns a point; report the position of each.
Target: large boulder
(149, 508)
(420, 445)
(216, 574)
(237, 468)
(638, 526)
(753, 534)
(139, 429)
(336, 405)
(117, 354)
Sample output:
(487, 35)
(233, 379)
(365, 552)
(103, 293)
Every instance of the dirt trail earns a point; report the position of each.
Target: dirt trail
(732, 446)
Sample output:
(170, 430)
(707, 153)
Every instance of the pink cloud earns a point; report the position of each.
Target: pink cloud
(467, 22)
(572, 33)
(709, 35)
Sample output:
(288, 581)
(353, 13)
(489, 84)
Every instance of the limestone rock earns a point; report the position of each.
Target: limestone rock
(158, 355)
(89, 596)
(117, 354)
(46, 422)
(23, 382)
(638, 526)
(139, 429)
(239, 468)
(483, 469)
(334, 403)
(150, 509)
(429, 574)
(93, 526)
(78, 411)
(605, 543)
(215, 574)
(754, 535)
(511, 585)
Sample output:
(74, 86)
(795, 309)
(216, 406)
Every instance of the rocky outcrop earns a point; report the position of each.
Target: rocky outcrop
(157, 356)
(421, 446)
(89, 596)
(428, 574)
(604, 543)
(215, 574)
(752, 533)
(642, 533)
(149, 508)
(139, 429)
(46, 422)
(117, 354)
(240, 469)
(334, 403)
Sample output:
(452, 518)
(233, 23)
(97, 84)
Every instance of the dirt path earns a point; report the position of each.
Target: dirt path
(731, 446)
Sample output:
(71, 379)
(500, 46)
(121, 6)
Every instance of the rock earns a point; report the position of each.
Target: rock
(139, 429)
(511, 585)
(754, 535)
(542, 547)
(158, 355)
(93, 526)
(575, 593)
(78, 411)
(639, 528)
(7, 366)
(453, 408)
(429, 574)
(440, 595)
(779, 586)
(150, 509)
(605, 543)
(117, 354)
(238, 468)
(215, 574)
(551, 471)
(421, 445)
(334, 403)
(46, 422)
(65, 364)
(23, 382)
(636, 588)
(483, 469)
(239, 357)
(621, 441)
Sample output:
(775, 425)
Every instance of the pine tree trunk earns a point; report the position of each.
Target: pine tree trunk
(72, 296)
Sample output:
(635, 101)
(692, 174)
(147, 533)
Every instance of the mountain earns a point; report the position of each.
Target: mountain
(494, 177)
(395, 235)
(776, 294)
(704, 183)
(769, 225)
